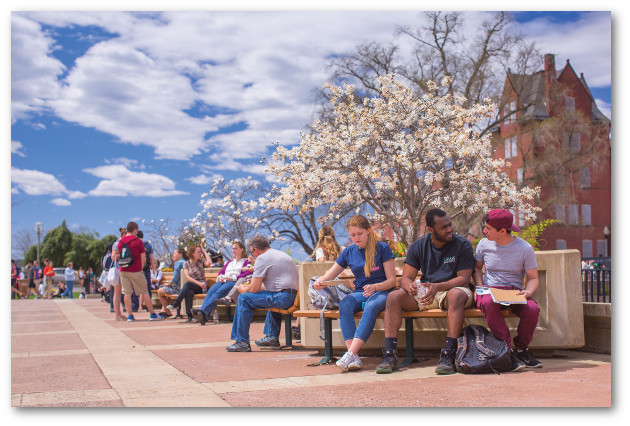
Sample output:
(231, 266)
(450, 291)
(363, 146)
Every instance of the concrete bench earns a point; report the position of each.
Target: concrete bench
(559, 296)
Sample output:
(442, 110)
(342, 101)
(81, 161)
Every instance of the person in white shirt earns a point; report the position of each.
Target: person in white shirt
(227, 277)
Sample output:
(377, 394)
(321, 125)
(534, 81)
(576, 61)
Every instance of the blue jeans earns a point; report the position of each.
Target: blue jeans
(351, 304)
(215, 292)
(244, 313)
(68, 291)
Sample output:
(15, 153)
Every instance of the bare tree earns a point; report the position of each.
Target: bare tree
(163, 235)
(475, 65)
(22, 240)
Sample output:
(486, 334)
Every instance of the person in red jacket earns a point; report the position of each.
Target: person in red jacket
(49, 273)
(132, 276)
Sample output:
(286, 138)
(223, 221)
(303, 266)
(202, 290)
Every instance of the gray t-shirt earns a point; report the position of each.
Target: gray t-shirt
(505, 265)
(278, 270)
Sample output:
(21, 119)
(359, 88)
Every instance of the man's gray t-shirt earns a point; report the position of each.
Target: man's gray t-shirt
(505, 265)
(278, 270)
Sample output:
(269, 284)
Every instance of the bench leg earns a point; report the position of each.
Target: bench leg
(328, 347)
(409, 352)
(288, 336)
(228, 308)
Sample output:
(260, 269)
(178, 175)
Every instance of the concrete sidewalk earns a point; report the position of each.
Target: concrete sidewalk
(72, 353)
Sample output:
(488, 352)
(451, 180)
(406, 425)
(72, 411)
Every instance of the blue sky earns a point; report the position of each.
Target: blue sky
(118, 116)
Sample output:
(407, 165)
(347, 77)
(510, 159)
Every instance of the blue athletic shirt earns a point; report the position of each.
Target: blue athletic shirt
(354, 258)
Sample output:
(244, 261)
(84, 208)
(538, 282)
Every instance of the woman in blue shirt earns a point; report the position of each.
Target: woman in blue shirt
(372, 263)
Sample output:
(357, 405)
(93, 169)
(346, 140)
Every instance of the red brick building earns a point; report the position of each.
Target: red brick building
(555, 137)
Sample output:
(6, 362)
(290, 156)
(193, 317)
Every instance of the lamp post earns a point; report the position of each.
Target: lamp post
(607, 236)
(39, 228)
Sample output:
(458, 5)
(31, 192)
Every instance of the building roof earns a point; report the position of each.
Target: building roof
(531, 91)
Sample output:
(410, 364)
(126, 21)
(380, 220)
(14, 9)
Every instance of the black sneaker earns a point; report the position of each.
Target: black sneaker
(446, 364)
(528, 359)
(389, 362)
(199, 315)
(239, 347)
(517, 364)
(268, 341)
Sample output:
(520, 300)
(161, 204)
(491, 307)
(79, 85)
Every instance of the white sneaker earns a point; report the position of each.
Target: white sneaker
(345, 361)
(355, 364)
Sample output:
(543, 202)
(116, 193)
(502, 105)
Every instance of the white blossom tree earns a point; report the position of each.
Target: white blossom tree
(400, 154)
(230, 211)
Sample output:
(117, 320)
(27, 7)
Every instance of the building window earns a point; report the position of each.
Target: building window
(559, 178)
(519, 175)
(514, 147)
(511, 148)
(560, 213)
(521, 219)
(569, 103)
(585, 177)
(602, 248)
(561, 244)
(573, 214)
(587, 248)
(586, 214)
(575, 142)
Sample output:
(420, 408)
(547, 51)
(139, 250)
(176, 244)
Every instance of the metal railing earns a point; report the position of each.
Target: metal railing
(596, 279)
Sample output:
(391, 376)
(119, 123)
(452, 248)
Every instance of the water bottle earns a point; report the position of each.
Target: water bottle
(215, 317)
(422, 290)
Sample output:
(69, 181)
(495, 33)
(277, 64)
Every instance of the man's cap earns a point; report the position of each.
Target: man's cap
(502, 219)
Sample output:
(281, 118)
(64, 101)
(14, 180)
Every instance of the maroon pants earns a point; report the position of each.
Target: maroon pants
(528, 314)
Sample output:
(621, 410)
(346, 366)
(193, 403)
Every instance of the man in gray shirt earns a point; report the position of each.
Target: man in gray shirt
(507, 260)
(277, 272)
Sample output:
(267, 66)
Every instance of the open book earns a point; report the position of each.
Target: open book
(506, 296)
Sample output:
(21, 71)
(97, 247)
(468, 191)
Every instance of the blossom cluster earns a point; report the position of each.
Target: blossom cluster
(399, 154)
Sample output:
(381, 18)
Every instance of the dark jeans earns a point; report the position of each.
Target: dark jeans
(187, 294)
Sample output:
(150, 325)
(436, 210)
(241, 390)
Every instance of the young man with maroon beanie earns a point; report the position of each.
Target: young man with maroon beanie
(508, 260)
(132, 276)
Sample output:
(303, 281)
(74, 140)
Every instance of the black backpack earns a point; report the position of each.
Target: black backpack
(126, 256)
(479, 352)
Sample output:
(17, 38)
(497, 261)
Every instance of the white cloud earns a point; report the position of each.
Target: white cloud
(33, 71)
(118, 181)
(16, 148)
(604, 107)
(34, 182)
(138, 85)
(586, 43)
(127, 162)
(60, 202)
(203, 179)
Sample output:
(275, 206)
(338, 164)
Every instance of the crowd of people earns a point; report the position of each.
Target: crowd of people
(452, 278)
(41, 282)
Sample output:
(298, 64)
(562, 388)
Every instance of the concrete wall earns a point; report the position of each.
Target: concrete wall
(560, 325)
(597, 330)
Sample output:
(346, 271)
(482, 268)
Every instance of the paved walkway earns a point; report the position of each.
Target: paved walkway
(71, 353)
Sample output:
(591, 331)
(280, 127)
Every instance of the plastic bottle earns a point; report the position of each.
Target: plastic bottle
(422, 290)
(215, 317)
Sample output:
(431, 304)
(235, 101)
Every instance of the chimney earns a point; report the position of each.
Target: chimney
(550, 76)
(550, 64)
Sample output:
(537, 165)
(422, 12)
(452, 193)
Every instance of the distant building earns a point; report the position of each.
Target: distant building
(555, 137)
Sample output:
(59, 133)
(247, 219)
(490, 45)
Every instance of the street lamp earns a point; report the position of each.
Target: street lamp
(607, 236)
(39, 228)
